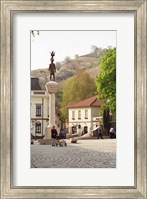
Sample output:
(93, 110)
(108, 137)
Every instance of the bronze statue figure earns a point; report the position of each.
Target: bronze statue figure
(52, 68)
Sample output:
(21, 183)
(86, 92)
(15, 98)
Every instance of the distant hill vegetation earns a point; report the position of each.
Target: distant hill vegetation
(69, 67)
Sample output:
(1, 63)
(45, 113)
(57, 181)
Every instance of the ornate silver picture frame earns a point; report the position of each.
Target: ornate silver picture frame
(8, 8)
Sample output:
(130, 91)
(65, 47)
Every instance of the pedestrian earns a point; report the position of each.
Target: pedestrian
(54, 135)
(99, 132)
(112, 133)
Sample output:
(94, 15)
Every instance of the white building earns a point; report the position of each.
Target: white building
(39, 109)
(84, 114)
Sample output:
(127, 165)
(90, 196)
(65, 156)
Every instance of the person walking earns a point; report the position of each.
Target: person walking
(99, 132)
(54, 135)
(112, 133)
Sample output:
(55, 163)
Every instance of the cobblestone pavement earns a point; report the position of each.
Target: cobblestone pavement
(84, 154)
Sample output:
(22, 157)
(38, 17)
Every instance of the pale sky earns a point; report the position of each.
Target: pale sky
(66, 43)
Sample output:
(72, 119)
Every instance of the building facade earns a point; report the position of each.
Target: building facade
(84, 115)
(40, 110)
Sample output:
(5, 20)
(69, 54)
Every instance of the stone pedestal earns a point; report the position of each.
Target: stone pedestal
(52, 88)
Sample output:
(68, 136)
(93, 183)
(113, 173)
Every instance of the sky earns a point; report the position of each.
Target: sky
(66, 43)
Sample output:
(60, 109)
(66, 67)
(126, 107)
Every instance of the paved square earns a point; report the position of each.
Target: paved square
(84, 154)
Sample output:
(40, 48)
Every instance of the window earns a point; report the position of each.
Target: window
(38, 110)
(79, 114)
(73, 115)
(74, 130)
(86, 114)
(79, 126)
(38, 127)
(85, 129)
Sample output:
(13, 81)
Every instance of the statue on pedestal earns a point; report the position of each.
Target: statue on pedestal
(52, 68)
(52, 88)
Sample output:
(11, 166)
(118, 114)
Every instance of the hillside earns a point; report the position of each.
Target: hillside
(69, 67)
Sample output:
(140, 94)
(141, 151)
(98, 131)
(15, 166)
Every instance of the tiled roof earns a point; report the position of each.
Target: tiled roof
(35, 84)
(90, 102)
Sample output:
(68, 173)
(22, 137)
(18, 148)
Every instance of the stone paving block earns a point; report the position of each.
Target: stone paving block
(86, 154)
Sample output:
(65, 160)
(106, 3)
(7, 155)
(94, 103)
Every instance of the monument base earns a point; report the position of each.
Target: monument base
(51, 88)
(48, 132)
(45, 141)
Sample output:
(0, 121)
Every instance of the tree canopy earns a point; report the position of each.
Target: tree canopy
(106, 80)
(77, 88)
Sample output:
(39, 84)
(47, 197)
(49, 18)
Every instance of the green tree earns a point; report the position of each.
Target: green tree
(106, 119)
(77, 88)
(106, 80)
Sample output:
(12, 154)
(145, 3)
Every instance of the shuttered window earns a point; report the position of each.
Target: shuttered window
(38, 110)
